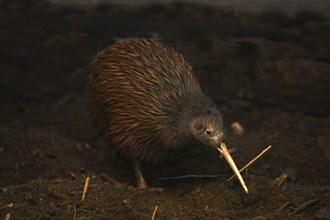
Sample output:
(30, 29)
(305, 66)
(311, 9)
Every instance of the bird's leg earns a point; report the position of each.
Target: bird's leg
(141, 183)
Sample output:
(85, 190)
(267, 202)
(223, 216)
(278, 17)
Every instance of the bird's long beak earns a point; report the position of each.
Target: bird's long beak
(225, 153)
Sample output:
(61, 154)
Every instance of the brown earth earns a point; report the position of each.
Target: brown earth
(270, 73)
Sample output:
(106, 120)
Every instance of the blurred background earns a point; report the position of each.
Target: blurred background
(265, 63)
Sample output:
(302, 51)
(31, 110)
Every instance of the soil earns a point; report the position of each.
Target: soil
(269, 73)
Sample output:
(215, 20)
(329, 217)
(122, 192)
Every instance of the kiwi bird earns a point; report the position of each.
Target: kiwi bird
(149, 103)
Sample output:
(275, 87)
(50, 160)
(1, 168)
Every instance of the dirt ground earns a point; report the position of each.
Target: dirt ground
(270, 73)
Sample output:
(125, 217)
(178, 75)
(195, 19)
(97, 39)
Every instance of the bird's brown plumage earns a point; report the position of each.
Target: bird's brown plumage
(139, 90)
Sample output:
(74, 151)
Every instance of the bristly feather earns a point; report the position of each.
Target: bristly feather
(144, 95)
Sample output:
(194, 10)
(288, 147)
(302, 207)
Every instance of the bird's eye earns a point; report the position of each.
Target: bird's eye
(208, 132)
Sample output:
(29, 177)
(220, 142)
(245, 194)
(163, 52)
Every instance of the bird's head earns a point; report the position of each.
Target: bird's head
(208, 128)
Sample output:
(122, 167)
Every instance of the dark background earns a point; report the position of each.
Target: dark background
(267, 70)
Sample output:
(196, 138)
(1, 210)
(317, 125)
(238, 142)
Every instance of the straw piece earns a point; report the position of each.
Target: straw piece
(154, 213)
(85, 189)
(251, 162)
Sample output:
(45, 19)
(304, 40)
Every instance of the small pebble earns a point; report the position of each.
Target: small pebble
(237, 128)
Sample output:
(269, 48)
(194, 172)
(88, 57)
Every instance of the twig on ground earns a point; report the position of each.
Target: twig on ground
(189, 176)
(74, 212)
(251, 162)
(305, 206)
(7, 216)
(216, 176)
(85, 189)
(284, 206)
(154, 213)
